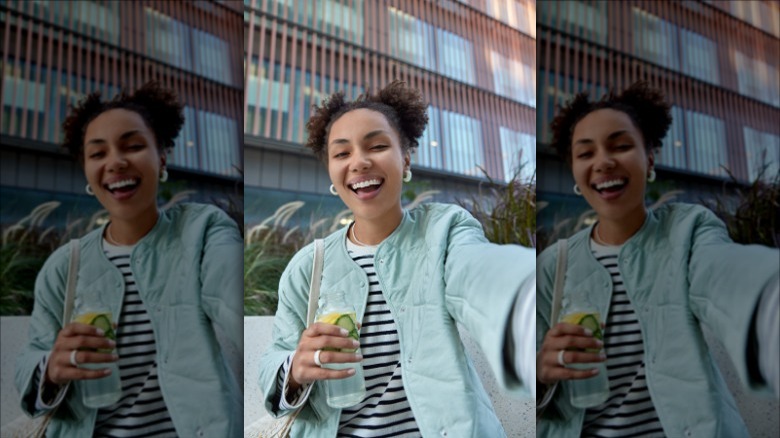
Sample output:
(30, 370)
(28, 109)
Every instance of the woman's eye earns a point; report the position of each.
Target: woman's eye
(96, 155)
(379, 147)
(340, 155)
(584, 155)
(136, 146)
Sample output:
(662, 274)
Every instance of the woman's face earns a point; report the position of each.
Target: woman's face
(122, 163)
(366, 163)
(610, 164)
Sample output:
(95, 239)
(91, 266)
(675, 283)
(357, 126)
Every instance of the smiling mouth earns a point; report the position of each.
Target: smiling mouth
(610, 186)
(124, 186)
(367, 186)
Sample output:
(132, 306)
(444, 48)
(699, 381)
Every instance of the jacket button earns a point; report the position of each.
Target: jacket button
(443, 432)
(199, 432)
(688, 432)
(381, 261)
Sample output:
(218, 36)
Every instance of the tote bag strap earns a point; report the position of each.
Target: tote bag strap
(316, 280)
(73, 271)
(560, 275)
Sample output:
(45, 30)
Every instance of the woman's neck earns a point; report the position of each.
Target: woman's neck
(374, 231)
(617, 232)
(129, 232)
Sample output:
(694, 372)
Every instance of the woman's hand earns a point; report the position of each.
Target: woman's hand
(84, 339)
(319, 336)
(572, 340)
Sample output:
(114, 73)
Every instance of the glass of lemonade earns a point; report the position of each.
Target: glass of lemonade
(593, 391)
(342, 393)
(105, 391)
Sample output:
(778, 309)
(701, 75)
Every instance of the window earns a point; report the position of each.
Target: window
(411, 39)
(757, 79)
(218, 148)
(98, 19)
(706, 143)
(455, 56)
(672, 152)
(414, 41)
(338, 18)
(515, 13)
(655, 40)
(762, 151)
(699, 56)
(429, 152)
(462, 144)
(176, 43)
(518, 153)
(513, 79)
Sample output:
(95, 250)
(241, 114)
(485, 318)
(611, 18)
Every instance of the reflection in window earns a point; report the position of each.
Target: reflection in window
(185, 151)
(761, 14)
(513, 79)
(762, 151)
(518, 153)
(699, 56)
(212, 56)
(338, 18)
(706, 143)
(655, 39)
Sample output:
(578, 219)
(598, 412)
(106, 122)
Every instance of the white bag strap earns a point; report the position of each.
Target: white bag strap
(316, 280)
(560, 275)
(73, 271)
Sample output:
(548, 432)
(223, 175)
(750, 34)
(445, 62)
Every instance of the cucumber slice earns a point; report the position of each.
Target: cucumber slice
(346, 322)
(102, 322)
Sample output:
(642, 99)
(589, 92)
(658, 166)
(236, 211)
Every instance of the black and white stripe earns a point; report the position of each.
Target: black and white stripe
(628, 411)
(385, 411)
(141, 411)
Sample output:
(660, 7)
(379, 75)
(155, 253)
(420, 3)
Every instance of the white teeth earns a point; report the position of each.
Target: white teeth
(122, 183)
(608, 184)
(363, 184)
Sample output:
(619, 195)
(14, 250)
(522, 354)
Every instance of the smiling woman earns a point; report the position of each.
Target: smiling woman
(657, 277)
(172, 278)
(412, 275)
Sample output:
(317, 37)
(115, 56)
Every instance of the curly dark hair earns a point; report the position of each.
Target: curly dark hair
(402, 105)
(646, 107)
(159, 108)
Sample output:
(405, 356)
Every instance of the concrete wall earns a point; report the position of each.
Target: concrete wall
(517, 416)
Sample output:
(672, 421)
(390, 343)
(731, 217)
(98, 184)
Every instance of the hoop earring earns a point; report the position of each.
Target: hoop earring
(333, 190)
(407, 175)
(164, 176)
(651, 177)
(577, 190)
(89, 191)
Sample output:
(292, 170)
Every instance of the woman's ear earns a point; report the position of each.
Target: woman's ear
(407, 160)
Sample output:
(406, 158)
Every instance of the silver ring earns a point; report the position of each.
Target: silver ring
(317, 358)
(561, 362)
(73, 359)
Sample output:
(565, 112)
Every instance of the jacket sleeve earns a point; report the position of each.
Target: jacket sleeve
(725, 285)
(45, 324)
(289, 323)
(482, 283)
(221, 275)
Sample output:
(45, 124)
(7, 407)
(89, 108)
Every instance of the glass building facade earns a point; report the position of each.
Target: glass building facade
(716, 61)
(56, 52)
(475, 63)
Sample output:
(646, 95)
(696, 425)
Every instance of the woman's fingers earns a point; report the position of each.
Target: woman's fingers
(577, 345)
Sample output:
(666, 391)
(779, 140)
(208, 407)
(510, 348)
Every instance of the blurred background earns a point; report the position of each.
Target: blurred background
(717, 62)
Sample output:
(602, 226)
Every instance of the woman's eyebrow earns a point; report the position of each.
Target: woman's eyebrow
(121, 137)
(365, 137)
(610, 137)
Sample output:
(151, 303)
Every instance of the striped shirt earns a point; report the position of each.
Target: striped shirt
(628, 411)
(385, 410)
(141, 411)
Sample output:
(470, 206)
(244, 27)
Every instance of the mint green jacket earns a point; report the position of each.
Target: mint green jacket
(681, 271)
(435, 270)
(189, 274)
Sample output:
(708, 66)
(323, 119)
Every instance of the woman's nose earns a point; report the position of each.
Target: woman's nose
(117, 161)
(359, 162)
(604, 161)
